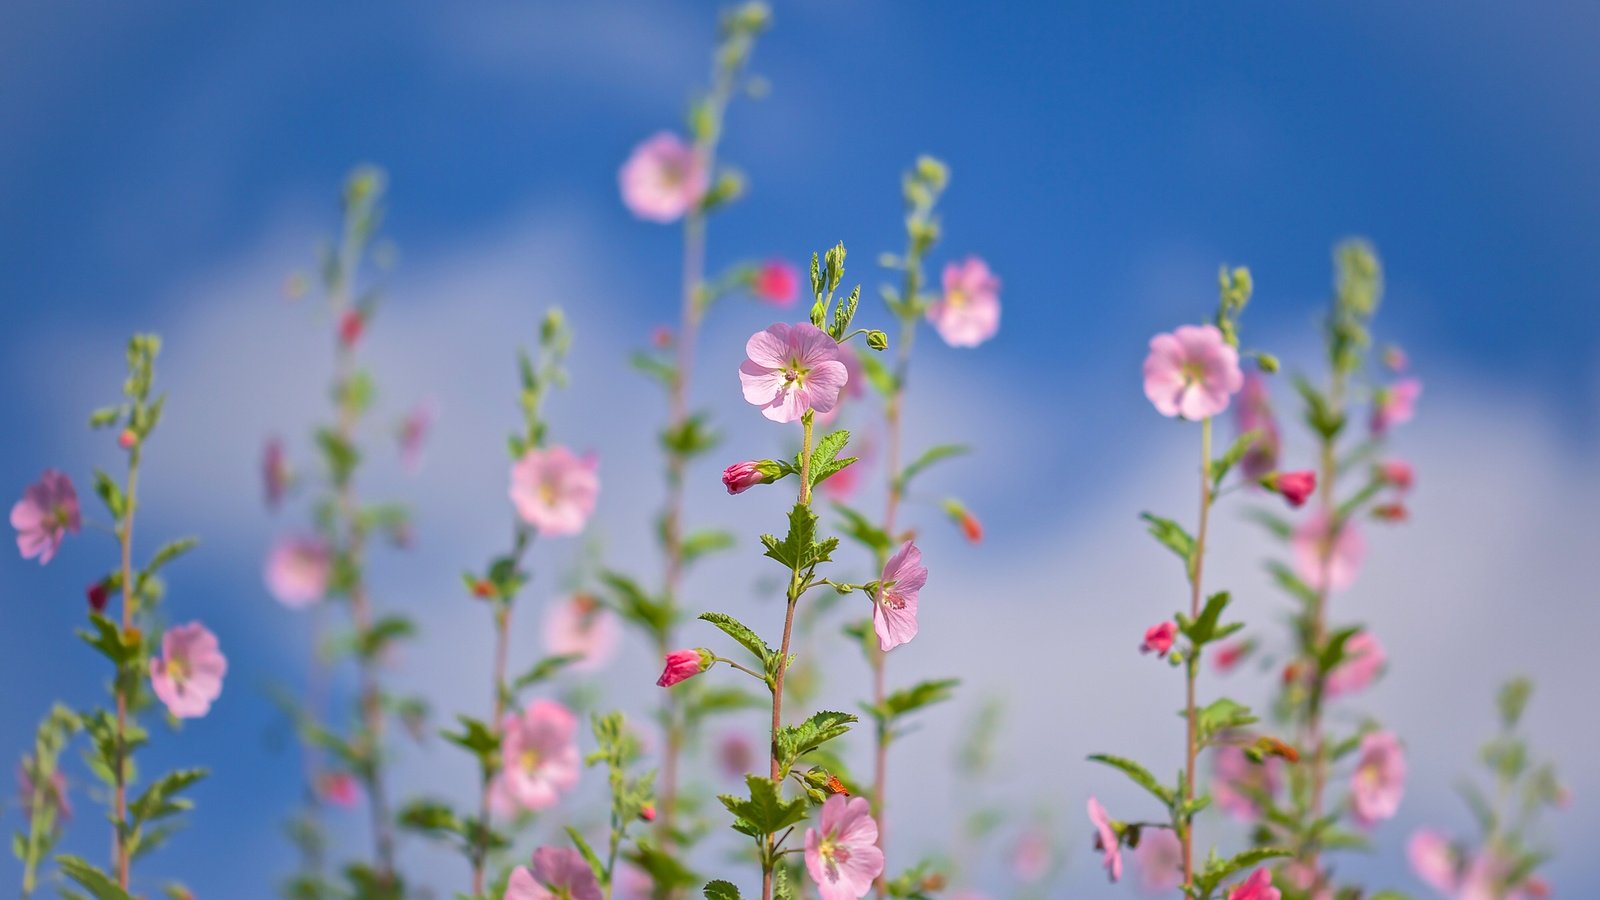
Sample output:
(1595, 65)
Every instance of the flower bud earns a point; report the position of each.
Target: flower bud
(685, 664)
(351, 324)
(1267, 362)
(127, 439)
(1295, 487)
(743, 476)
(970, 527)
(647, 813)
(1158, 639)
(877, 340)
(99, 593)
(1397, 472)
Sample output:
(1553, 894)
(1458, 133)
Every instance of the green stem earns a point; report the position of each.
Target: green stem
(1192, 659)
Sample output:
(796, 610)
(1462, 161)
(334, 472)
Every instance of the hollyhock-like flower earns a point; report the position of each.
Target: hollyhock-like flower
(1257, 887)
(1326, 560)
(1158, 638)
(558, 873)
(1379, 780)
(1160, 859)
(1433, 860)
(894, 610)
(791, 369)
(54, 793)
(1239, 784)
(47, 511)
(842, 853)
(187, 677)
(581, 626)
(1398, 473)
(735, 756)
(1364, 659)
(1105, 839)
(274, 472)
(1395, 404)
(663, 179)
(539, 754)
(554, 490)
(1254, 413)
(1294, 487)
(1030, 856)
(1191, 372)
(413, 433)
(338, 789)
(742, 476)
(969, 311)
(777, 282)
(683, 665)
(298, 569)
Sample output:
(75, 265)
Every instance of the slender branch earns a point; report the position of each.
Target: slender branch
(130, 605)
(1311, 736)
(1191, 660)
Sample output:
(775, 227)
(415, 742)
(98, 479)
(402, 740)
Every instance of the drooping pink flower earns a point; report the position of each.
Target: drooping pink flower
(413, 434)
(842, 853)
(1294, 487)
(742, 476)
(969, 311)
(791, 369)
(274, 472)
(1380, 779)
(1031, 856)
(558, 873)
(1158, 638)
(777, 282)
(683, 665)
(1257, 887)
(187, 676)
(338, 789)
(298, 569)
(581, 626)
(1191, 372)
(1106, 839)
(539, 754)
(54, 795)
(663, 179)
(894, 610)
(1397, 472)
(1434, 860)
(1326, 560)
(1239, 784)
(735, 756)
(1254, 413)
(555, 490)
(1395, 404)
(47, 511)
(1160, 860)
(1364, 659)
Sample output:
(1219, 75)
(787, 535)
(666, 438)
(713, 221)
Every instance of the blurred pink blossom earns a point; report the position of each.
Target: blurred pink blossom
(413, 434)
(1325, 560)
(539, 754)
(777, 282)
(338, 789)
(1364, 659)
(1434, 860)
(1230, 655)
(791, 369)
(969, 311)
(1191, 372)
(554, 490)
(1295, 487)
(1398, 473)
(1105, 839)
(1256, 887)
(842, 853)
(298, 569)
(663, 179)
(1160, 859)
(1254, 413)
(187, 677)
(1380, 779)
(558, 873)
(274, 472)
(47, 511)
(1395, 404)
(581, 626)
(894, 611)
(1031, 856)
(735, 756)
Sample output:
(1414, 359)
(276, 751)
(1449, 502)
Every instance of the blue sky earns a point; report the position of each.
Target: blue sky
(164, 167)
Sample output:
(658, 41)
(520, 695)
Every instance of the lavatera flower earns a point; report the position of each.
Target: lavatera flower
(792, 369)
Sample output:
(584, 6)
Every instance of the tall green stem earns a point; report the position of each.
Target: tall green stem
(1191, 661)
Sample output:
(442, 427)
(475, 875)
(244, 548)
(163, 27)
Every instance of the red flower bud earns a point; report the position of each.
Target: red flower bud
(648, 813)
(1397, 472)
(683, 665)
(1295, 487)
(98, 594)
(127, 439)
(351, 324)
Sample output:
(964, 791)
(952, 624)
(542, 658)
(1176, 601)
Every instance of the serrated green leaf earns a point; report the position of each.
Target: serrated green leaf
(721, 890)
(741, 633)
(1139, 774)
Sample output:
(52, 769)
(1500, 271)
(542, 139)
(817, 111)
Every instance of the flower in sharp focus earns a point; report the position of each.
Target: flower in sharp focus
(1106, 839)
(557, 873)
(663, 179)
(968, 313)
(792, 369)
(1379, 780)
(1395, 404)
(539, 754)
(1191, 372)
(842, 853)
(683, 665)
(1254, 413)
(1434, 860)
(776, 282)
(581, 626)
(298, 569)
(1327, 558)
(1364, 659)
(1159, 638)
(1256, 887)
(187, 676)
(894, 608)
(47, 511)
(1160, 860)
(554, 490)
(742, 476)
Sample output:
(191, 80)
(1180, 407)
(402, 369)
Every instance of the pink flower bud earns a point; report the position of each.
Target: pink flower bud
(661, 337)
(776, 282)
(683, 665)
(1295, 487)
(351, 324)
(127, 439)
(1158, 639)
(1230, 655)
(1397, 472)
(648, 813)
(743, 476)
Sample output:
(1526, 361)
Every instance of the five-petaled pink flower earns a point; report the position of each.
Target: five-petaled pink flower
(1257, 887)
(1395, 404)
(554, 490)
(683, 665)
(969, 311)
(1254, 413)
(1379, 780)
(663, 179)
(894, 610)
(274, 472)
(581, 626)
(47, 511)
(1191, 372)
(1160, 859)
(1324, 558)
(1434, 860)
(298, 569)
(777, 282)
(539, 754)
(1106, 839)
(1158, 638)
(1295, 487)
(792, 369)
(842, 853)
(187, 676)
(1363, 661)
(558, 873)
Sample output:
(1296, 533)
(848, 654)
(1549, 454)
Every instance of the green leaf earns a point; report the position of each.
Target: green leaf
(1204, 629)
(475, 736)
(169, 552)
(877, 373)
(928, 458)
(655, 367)
(160, 800)
(97, 883)
(1235, 452)
(765, 811)
(911, 699)
(857, 526)
(701, 543)
(742, 633)
(799, 549)
(1221, 715)
(1172, 536)
(1140, 775)
(1285, 578)
(544, 670)
(633, 604)
(589, 855)
(795, 741)
(721, 890)
(382, 633)
(1276, 525)
(1217, 870)
(110, 494)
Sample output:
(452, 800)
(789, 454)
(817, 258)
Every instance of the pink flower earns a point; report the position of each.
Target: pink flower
(557, 874)
(843, 856)
(274, 472)
(47, 511)
(1363, 661)
(1379, 780)
(1395, 404)
(554, 490)
(683, 665)
(1240, 785)
(1191, 372)
(1160, 859)
(351, 326)
(969, 312)
(298, 569)
(1230, 655)
(1257, 887)
(1031, 857)
(187, 677)
(539, 754)
(1254, 413)
(1398, 473)
(413, 432)
(338, 789)
(1106, 839)
(791, 369)
(663, 179)
(777, 282)
(1295, 487)
(1433, 860)
(1158, 638)
(581, 626)
(894, 612)
(1326, 560)
(735, 756)
(1306, 878)
(742, 476)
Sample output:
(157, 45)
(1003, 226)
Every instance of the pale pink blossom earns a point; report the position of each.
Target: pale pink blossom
(1325, 558)
(1397, 472)
(1031, 856)
(1239, 784)
(777, 282)
(1434, 860)
(352, 324)
(842, 853)
(1191, 372)
(663, 179)
(1230, 655)
(1308, 879)
(1364, 659)
(735, 757)
(557, 873)
(47, 511)
(581, 626)
(1395, 404)
(274, 472)
(792, 369)
(1160, 860)
(682, 665)
(539, 754)
(1106, 839)
(1256, 887)
(187, 676)
(554, 490)
(894, 610)
(1254, 413)
(298, 569)
(413, 434)
(854, 383)
(969, 311)
(1159, 638)
(1380, 779)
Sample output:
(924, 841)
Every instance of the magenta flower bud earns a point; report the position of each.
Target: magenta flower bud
(743, 476)
(1158, 639)
(776, 282)
(683, 665)
(1295, 487)
(1397, 472)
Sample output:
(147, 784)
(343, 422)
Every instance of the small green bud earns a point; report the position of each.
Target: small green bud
(877, 340)
(1267, 362)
